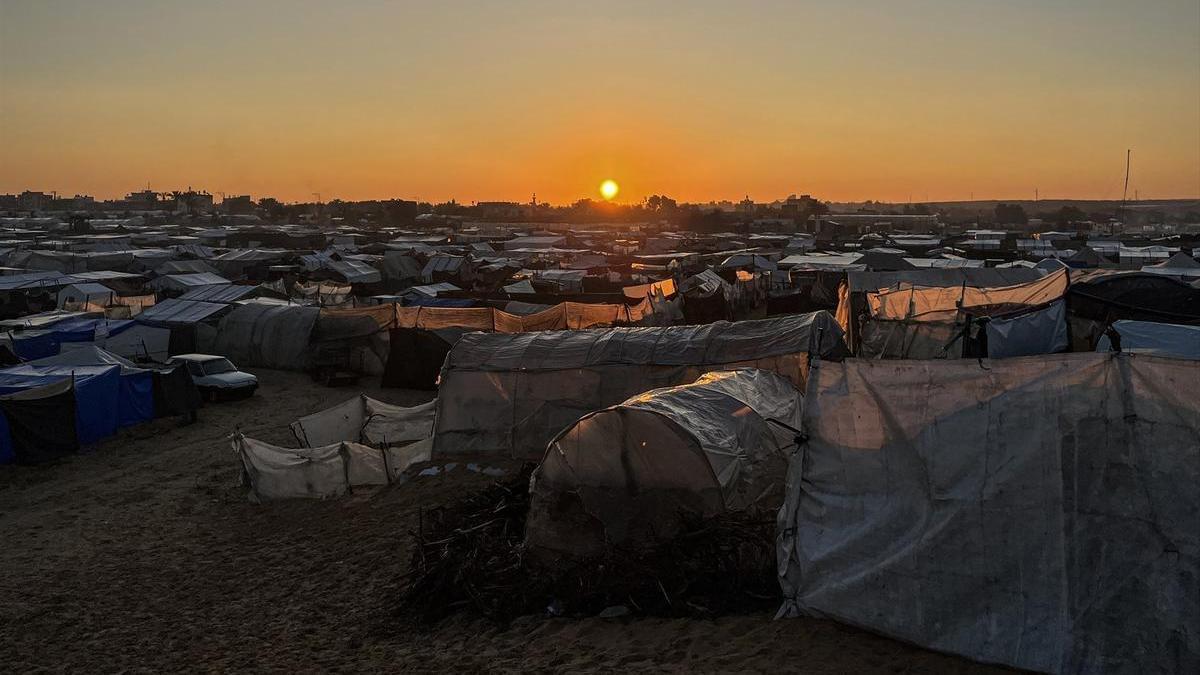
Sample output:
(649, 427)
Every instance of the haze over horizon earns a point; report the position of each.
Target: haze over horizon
(934, 100)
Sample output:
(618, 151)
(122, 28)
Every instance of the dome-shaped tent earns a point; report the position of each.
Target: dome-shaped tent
(631, 474)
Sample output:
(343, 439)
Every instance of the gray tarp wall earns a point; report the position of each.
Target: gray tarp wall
(1040, 512)
(266, 335)
(509, 394)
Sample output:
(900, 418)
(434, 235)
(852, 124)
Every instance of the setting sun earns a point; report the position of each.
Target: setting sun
(609, 189)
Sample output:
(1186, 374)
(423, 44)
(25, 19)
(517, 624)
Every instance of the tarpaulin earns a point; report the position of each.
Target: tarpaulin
(909, 301)
(1042, 331)
(1039, 512)
(509, 394)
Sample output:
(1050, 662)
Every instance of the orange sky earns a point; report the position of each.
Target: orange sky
(929, 99)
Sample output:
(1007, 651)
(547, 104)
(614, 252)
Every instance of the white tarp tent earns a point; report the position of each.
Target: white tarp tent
(364, 420)
(509, 394)
(628, 475)
(1039, 512)
(138, 341)
(272, 472)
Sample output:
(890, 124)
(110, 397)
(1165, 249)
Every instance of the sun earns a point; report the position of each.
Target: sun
(609, 189)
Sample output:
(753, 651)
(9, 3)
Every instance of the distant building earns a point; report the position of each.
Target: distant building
(861, 223)
(500, 210)
(238, 205)
(33, 201)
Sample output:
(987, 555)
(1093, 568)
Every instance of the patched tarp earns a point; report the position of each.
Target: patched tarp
(910, 301)
(364, 420)
(1042, 331)
(270, 336)
(510, 394)
(1039, 512)
(627, 476)
(911, 340)
(272, 472)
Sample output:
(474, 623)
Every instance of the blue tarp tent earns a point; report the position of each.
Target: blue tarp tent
(97, 395)
(134, 395)
(1171, 340)
(38, 344)
(136, 404)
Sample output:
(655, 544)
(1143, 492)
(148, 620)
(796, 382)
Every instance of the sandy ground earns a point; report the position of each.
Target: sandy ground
(144, 555)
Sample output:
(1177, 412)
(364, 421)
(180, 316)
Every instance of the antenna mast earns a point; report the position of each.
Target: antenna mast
(1125, 192)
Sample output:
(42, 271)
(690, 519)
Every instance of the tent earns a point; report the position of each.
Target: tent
(31, 426)
(86, 294)
(97, 392)
(852, 300)
(271, 336)
(416, 355)
(40, 343)
(364, 420)
(1100, 297)
(908, 321)
(135, 393)
(1038, 512)
(1158, 339)
(629, 475)
(510, 394)
(272, 472)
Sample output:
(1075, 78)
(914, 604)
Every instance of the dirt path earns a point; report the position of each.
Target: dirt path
(144, 555)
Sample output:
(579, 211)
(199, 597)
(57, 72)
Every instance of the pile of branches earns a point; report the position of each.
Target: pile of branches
(470, 557)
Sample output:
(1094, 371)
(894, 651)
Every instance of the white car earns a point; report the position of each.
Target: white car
(216, 377)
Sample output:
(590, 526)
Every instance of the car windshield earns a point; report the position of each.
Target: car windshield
(218, 366)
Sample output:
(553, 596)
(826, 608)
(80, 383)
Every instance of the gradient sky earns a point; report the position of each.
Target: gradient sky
(871, 99)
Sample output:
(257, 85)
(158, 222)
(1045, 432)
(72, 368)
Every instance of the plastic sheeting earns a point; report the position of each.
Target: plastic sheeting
(1157, 339)
(1039, 512)
(909, 301)
(97, 393)
(364, 420)
(510, 394)
(270, 336)
(628, 475)
(1042, 331)
(272, 472)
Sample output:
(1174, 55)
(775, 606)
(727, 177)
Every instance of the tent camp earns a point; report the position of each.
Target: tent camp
(364, 420)
(510, 394)
(1039, 512)
(627, 476)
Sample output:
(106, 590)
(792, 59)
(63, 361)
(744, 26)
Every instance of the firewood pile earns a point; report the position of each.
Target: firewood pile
(470, 557)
